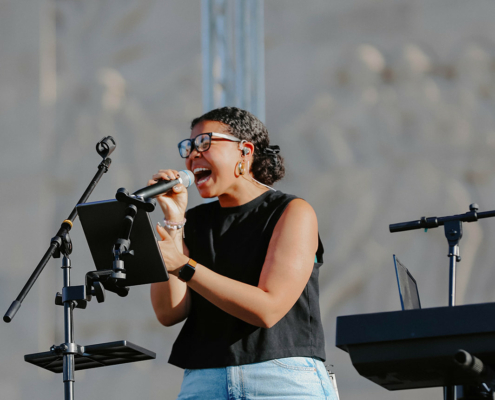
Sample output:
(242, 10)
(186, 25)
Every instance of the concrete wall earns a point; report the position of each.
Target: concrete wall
(383, 111)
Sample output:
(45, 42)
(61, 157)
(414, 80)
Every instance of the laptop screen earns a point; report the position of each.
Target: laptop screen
(408, 289)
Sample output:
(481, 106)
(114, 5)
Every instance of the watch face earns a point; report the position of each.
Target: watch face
(186, 272)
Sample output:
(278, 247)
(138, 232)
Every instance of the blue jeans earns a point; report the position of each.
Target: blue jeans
(295, 378)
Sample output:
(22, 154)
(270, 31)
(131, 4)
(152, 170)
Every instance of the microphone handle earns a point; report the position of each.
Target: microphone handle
(157, 188)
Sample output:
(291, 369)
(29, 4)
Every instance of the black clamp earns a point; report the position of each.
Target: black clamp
(64, 245)
(121, 248)
(428, 223)
(472, 215)
(147, 205)
(453, 233)
(74, 294)
(99, 281)
(106, 146)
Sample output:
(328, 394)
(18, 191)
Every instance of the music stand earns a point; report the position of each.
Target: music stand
(106, 224)
(93, 356)
(102, 224)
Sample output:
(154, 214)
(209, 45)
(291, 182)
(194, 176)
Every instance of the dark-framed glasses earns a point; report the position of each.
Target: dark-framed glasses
(202, 142)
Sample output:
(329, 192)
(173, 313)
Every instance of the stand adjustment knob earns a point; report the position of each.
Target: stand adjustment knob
(58, 299)
(98, 291)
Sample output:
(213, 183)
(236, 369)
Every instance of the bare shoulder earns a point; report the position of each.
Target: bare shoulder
(299, 210)
(299, 218)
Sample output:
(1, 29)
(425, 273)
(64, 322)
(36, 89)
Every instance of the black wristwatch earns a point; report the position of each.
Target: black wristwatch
(188, 270)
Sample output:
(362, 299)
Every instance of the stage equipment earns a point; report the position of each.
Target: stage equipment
(110, 227)
(424, 342)
(419, 348)
(114, 221)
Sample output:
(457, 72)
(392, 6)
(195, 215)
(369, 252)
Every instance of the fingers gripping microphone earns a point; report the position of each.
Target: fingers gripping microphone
(185, 177)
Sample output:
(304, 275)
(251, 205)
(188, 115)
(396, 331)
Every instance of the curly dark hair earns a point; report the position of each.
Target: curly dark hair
(267, 167)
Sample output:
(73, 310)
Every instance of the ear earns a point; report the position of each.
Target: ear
(248, 149)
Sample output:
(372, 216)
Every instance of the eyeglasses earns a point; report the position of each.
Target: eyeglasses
(201, 143)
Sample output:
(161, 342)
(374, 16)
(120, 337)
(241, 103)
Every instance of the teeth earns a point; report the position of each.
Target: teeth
(196, 170)
(203, 180)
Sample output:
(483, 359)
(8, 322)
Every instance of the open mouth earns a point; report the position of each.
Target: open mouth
(201, 175)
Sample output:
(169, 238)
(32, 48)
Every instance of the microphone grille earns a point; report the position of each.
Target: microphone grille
(187, 177)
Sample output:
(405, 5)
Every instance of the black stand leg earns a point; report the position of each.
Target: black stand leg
(453, 233)
(449, 392)
(69, 369)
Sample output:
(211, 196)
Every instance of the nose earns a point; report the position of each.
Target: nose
(193, 154)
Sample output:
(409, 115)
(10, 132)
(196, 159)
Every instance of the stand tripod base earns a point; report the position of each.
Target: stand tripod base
(93, 356)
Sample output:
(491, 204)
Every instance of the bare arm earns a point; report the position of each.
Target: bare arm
(171, 299)
(286, 271)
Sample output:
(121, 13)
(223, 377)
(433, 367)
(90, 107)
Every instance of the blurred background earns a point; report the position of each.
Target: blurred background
(384, 111)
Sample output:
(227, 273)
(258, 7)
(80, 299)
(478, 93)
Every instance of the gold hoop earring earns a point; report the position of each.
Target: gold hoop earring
(241, 168)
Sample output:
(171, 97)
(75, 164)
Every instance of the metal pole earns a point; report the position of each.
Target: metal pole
(257, 44)
(450, 391)
(68, 360)
(241, 72)
(233, 55)
(453, 233)
(207, 44)
(453, 254)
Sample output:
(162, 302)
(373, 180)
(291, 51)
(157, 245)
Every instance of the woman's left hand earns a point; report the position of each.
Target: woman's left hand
(172, 257)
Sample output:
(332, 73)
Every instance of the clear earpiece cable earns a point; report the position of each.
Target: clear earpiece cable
(269, 187)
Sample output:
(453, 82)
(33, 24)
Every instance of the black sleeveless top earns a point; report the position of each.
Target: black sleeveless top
(233, 242)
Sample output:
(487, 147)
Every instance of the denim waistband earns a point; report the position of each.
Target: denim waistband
(299, 378)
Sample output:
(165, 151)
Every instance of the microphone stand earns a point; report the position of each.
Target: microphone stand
(70, 299)
(61, 241)
(453, 232)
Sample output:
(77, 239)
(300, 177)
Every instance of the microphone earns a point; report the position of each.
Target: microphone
(186, 177)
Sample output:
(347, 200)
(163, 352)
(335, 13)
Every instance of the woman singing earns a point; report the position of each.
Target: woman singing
(243, 270)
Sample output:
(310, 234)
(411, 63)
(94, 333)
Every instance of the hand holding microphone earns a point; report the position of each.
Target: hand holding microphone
(170, 191)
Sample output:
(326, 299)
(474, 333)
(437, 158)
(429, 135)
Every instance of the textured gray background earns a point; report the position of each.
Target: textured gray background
(384, 111)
